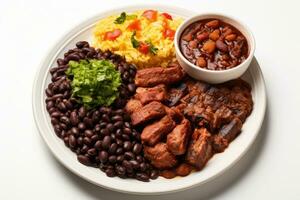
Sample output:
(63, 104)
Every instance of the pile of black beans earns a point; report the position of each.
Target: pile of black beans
(101, 137)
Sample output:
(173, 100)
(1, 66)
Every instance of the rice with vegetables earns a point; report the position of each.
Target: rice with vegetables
(144, 38)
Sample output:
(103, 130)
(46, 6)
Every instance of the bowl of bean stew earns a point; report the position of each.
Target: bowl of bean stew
(214, 48)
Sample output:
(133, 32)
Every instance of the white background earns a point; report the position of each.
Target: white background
(270, 170)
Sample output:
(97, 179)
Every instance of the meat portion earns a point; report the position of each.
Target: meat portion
(231, 130)
(148, 112)
(133, 105)
(158, 75)
(212, 106)
(175, 94)
(177, 140)
(219, 144)
(160, 156)
(174, 113)
(154, 132)
(146, 95)
(200, 149)
(183, 169)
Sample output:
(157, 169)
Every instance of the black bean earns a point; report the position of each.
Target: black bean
(154, 174)
(134, 164)
(137, 148)
(75, 131)
(120, 158)
(92, 152)
(96, 116)
(113, 148)
(118, 124)
(117, 118)
(82, 112)
(72, 141)
(105, 110)
(60, 61)
(139, 158)
(57, 130)
(106, 142)
(88, 122)
(127, 124)
(84, 149)
(110, 173)
(56, 114)
(104, 132)
(49, 93)
(143, 166)
(54, 121)
(110, 127)
(103, 156)
(119, 142)
(65, 120)
(63, 126)
(62, 107)
(127, 131)
(103, 124)
(84, 160)
(112, 159)
(72, 56)
(81, 126)
(105, 118)
(68, 104)
(94, 138)
(98, 145)
(142, 177)
(131, 87)
(129, 155)
(88, 133)
(74, 118)
(87, 141)
(52, 110)
(79, 141)
(121, 170)
(127, 165)
(125, 137)
(82, 44)
(119, 112)
(119, 150)
(127, 145)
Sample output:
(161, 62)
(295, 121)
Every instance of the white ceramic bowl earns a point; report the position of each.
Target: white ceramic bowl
(217, 165)
(212, 76)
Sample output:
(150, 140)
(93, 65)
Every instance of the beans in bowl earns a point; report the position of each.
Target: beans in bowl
(213, 44)
(101, 136)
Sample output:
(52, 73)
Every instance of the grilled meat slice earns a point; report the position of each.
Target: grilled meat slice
(219, 143)
(174, 113)
(160, 156)
(200, 149)
(177, 140)
(158, 75)
(231, 130)
(148, 112)
(146, 95)
(176, 93)
(153, 133)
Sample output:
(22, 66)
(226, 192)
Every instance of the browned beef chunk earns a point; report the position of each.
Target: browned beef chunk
(160, 156)
(148, 112)
(183, 169)
(153, 133)
(146, 95)
(133, 105)
(231, 130)
(177, 140)
(200, 149)
(174, 113)
(158, 75)
(219, 144)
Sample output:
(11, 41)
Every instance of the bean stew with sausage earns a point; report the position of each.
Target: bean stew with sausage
(213, 44)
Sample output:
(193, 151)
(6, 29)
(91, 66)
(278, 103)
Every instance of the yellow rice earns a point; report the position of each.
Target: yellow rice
(150, 31)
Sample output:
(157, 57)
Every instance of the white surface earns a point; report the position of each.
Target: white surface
(270, 170)
(213, 76)
(217, 165)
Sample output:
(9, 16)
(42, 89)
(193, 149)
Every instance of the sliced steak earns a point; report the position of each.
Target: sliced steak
(219, 144)
(231, 130)
(153, 133)
(158, 75)
(148, 112)
(160, 156)
(200, 149)
(146, 95)
(177, 140)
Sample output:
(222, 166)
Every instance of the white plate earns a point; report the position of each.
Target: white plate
(218, 164)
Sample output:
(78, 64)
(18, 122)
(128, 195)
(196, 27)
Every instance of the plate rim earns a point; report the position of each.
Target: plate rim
(59, 44)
